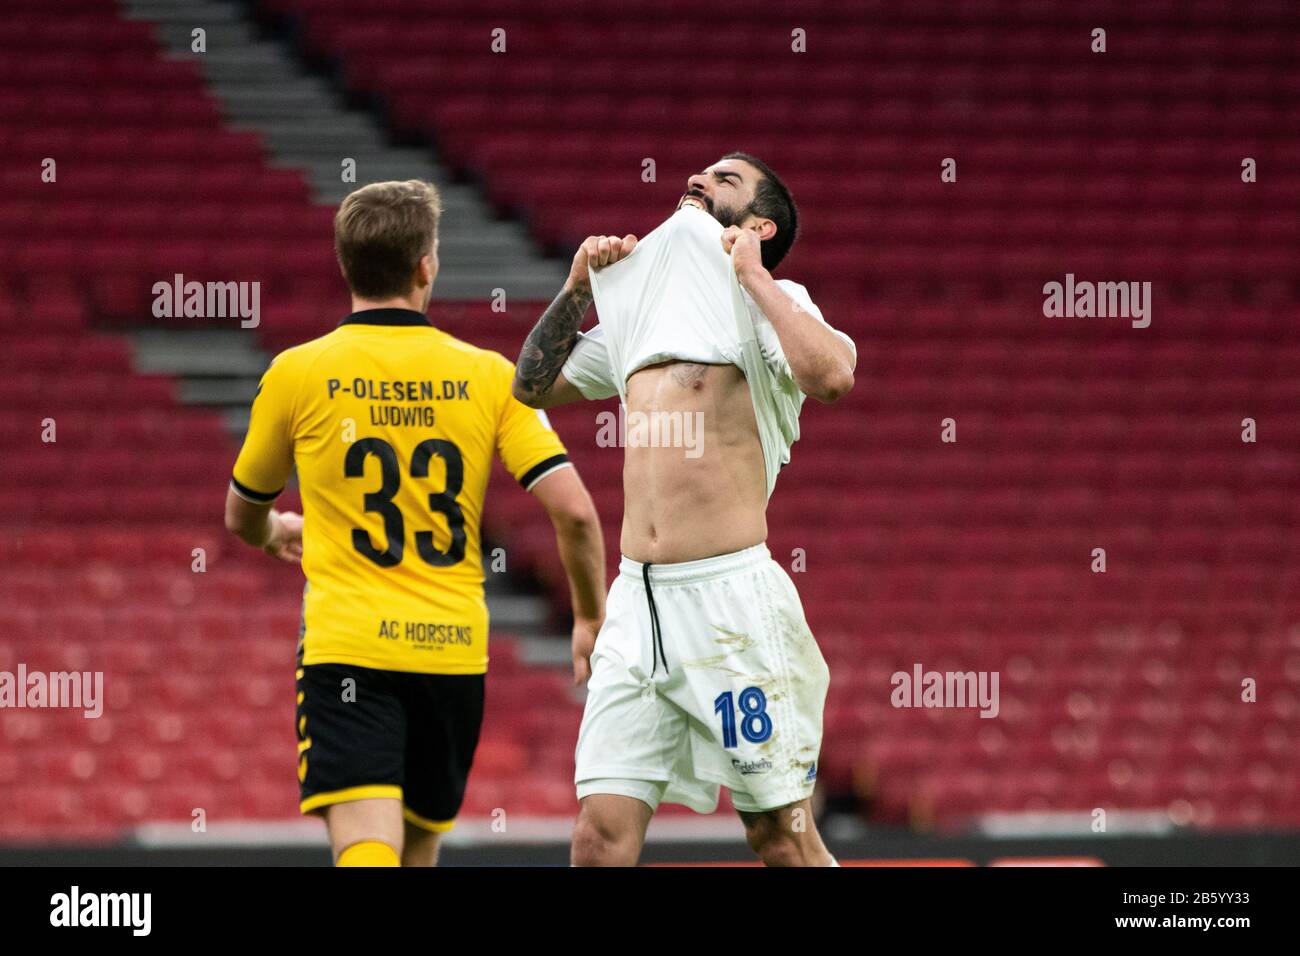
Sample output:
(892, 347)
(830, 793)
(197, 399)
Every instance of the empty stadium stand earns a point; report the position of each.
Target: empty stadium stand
(1118, 690)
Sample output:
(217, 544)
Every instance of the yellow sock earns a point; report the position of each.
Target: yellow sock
(369, 853)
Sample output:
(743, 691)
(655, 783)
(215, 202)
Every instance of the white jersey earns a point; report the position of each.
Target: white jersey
(676, 297)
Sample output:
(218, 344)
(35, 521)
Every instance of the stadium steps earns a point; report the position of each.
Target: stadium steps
(216, 367)
(262, 87)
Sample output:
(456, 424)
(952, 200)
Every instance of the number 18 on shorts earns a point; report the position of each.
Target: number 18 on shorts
(727, 690)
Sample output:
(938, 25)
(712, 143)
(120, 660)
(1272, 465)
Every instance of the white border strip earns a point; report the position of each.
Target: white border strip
(479, 831)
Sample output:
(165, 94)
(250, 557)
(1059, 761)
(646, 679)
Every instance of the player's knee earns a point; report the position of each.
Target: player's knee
(598, 842)
(772, 846)
(775, 848)
(775, 845)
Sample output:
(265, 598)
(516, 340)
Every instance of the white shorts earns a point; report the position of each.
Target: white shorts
(730, 694)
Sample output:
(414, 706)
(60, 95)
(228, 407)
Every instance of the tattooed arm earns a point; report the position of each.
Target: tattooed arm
(538, 380)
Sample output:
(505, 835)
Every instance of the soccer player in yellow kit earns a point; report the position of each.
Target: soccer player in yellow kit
(393, 425)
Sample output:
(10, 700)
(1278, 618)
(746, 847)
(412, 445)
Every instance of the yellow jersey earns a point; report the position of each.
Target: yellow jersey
(392, 425)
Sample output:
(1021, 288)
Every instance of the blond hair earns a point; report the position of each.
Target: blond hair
(380, 233)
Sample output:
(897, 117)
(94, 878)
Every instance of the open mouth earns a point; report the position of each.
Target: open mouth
(695, 201)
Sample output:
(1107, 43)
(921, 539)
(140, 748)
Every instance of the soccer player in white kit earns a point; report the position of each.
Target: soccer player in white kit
(704, 673)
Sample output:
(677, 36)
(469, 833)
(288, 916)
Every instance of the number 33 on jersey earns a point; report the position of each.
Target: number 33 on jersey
(392, 425)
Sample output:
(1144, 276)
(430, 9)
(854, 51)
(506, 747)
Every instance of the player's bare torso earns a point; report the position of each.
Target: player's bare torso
(694, 482)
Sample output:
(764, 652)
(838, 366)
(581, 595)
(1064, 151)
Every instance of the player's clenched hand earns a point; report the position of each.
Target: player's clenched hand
(584, 642)
(745, 249)
(595, 252)
(285, 542)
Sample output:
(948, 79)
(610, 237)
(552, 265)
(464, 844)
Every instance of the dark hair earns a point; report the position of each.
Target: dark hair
(772, 200)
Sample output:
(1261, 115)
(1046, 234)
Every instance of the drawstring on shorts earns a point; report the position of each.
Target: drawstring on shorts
(656, 636)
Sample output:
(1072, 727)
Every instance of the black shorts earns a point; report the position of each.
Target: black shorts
(390, 734)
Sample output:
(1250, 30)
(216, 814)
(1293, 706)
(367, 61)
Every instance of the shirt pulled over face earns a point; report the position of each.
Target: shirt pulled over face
(676, 298)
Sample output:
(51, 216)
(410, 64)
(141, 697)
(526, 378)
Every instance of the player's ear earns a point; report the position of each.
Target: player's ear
(428, 268)
(765, 228)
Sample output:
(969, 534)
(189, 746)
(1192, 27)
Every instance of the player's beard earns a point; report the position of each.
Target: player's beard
(726, 215)
(729, 216)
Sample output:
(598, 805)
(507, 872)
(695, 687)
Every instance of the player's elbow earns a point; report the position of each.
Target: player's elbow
(234, 520)
(833, 385)
(573, 513)
(576, 517)
(242, 519)
(529, 397)
(568, 504)
(239, 528)
(523, 394)
(239, 525)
